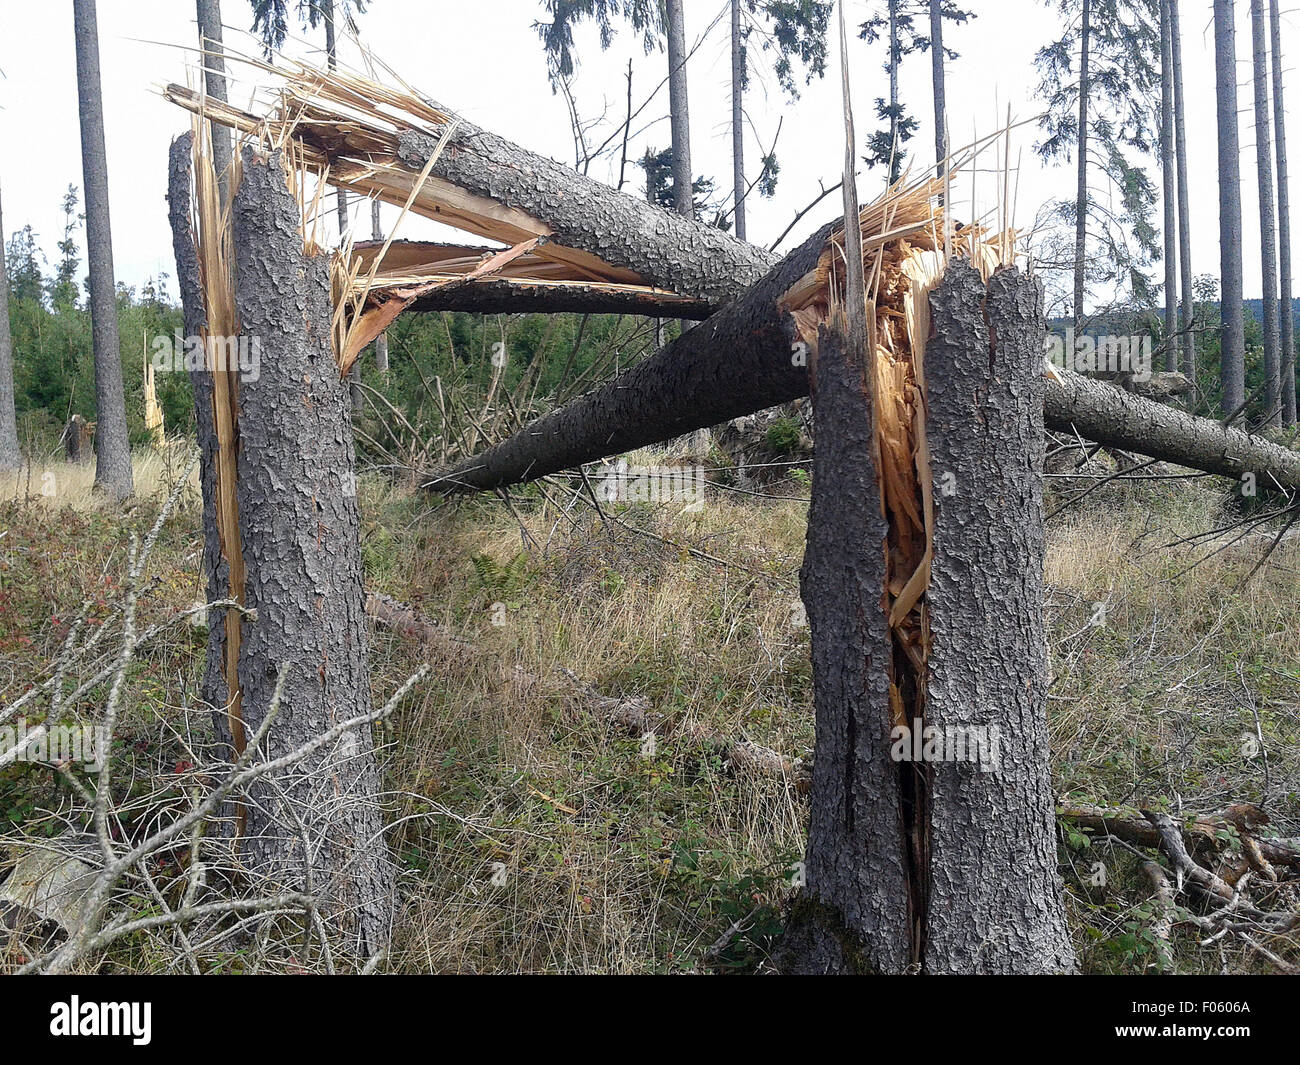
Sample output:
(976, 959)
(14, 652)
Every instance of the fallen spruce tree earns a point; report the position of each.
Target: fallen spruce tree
(597, 248)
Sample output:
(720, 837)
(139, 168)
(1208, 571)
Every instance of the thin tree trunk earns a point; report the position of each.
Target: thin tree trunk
(937, 80)
(892, 841)
(1184, 203)
(1285, 312)
(214, 67)
(332, 60)
(895, 149)
(1169, 182)
(1232, 352)
(112, 447)
(737, 120)
(1267, 217)
(683, 191)
(11, 456)
(381, 341)
(299, 525)
(1081, 181)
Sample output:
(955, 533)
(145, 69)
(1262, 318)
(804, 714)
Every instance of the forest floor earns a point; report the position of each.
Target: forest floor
(537, 835)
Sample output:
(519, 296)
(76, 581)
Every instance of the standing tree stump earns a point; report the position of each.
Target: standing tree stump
(79, 439)
(939, 866)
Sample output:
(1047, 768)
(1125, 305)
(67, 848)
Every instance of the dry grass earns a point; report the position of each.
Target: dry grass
(534, 836)
(56, 484)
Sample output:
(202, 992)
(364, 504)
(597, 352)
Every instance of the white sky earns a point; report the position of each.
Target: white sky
(484, 60)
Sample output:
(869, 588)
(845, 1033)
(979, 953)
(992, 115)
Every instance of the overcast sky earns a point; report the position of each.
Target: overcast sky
(484, 59)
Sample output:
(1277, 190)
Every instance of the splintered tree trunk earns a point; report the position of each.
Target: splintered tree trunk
(10, 455)
(1184, 201)
(1285, 313)
(1169, 182)
(1232, 357)
(113, 474)
(300, 531)
(1267, 218)
(214, 692)
(679, 108)
(943, 864)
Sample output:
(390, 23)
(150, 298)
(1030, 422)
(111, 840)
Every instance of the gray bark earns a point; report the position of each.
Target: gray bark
(937, 81)
(625, 231)
(1188, 294)
(1232, 358)
(214, 67)
(299, 526)
(855, 912)
(506, 295)
(1169, 183)
(995, 894)
(113, 474)
(214, 692)
(11, 456)
(946, 865)
(737, 121)
(679, 109)
(1285, 313)
(1267, 216)
(1081, 180)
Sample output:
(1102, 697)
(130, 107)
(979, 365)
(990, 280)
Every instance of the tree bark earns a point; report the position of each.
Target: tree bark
(937, 80)
(214, 692)
(947, 865)
(1184, 203)
(1081, 181)
(1285, 312)
(737, 121)
(1232, 349)
(214, 73)
(113, 474)
(679, 110)
(1169, 183)
(11, 456)
(995, 894)
(747, 357)
(300, 531)
(1267, 216)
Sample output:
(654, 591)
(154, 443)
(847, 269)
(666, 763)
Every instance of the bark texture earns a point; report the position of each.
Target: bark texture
(10, 455)
(1285, 313)
(214, 74)
(679, 109)
(1188, 340)
(113, 474)
(854, 914)
(994, 892)
(937, 82)
(1232, 358)
(509, 295)
(299, 526)
(737, 121)
(734, 363)
(214, 693)
(1081, 178)
(663, 248)
(1267, 215)
(1169, 184)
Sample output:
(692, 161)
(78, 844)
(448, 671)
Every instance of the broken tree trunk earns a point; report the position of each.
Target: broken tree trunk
(932, 844)
(214, 692)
